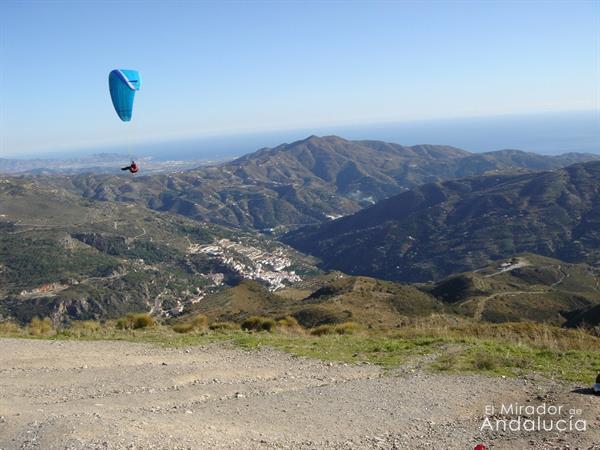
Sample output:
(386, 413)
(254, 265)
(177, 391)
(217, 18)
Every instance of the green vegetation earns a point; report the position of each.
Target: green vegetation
(457, 226)
(495, 357)
(377, 349)
(36, 259)
(459, 345)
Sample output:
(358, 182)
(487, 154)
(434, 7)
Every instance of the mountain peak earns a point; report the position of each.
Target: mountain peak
(314, 139)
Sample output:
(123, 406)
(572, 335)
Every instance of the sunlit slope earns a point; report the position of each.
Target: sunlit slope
(65, 256)
(523, 287)
(438, 229)
(332, 298)
(305, 182)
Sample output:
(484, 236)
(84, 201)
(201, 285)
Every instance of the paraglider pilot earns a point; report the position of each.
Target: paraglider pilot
(133, 167)
(123, 84)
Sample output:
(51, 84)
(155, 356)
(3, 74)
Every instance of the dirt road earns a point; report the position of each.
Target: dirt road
(65, 394)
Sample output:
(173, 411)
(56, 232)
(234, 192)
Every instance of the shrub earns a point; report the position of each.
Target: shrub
(322, 330)
(223, 326)
(447, 361)
(183, 327)
(256, 323)
(347, 328)
(200, 322)
(313, 316)
(342, 328)
(289, 325)
(10, 327)
(135, 321)
(80, 328)
(40, 327)
(87, 325)
(486, 361)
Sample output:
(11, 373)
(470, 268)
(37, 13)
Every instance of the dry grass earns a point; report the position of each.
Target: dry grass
(83, 328)
(198, 323)
(256, 323)
(41, 327)
(10, 328)
(342, 328)
(536, 335)
(183, 328)
(511, 349)
(289, 325)
(135, 322)
(223, 326)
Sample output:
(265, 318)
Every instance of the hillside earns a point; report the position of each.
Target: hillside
(438, 229)
(326, 299)
(523, 287)
(71, 258)
(305, 182)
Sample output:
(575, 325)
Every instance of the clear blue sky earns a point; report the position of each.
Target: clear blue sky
(217, 68)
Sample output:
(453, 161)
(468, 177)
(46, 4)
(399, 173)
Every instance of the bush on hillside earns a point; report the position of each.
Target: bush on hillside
(198, 323)
(40, 327)
(342, 328)
(183, 327)
(135, 321)
(256, 323)
(223, 326)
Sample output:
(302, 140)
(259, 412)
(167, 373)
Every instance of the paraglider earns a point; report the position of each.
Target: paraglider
(133, 167)
(123, 84)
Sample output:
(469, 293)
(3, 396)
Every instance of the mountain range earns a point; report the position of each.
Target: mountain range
(466, 230)
(437, 229)
(305, 182)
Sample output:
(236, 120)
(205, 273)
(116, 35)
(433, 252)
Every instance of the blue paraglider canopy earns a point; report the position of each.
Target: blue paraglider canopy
(123, 84)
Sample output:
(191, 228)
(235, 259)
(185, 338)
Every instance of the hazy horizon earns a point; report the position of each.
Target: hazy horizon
(545, 133)
(243, 68)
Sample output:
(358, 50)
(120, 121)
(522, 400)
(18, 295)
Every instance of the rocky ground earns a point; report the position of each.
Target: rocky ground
(67, 394)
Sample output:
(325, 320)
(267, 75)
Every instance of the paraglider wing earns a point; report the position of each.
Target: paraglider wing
(122, 85)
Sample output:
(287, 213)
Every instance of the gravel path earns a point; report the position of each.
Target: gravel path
(66, 394)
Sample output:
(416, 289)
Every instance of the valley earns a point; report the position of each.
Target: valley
(318, 279)
(471, 246)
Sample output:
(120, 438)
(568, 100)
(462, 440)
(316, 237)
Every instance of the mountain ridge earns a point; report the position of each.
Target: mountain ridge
(454, 226)
(305, 182)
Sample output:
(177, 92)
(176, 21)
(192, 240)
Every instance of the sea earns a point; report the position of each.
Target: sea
(547, 133)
